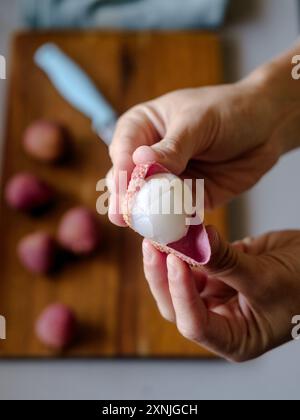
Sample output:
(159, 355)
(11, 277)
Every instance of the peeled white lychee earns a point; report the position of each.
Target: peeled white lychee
(158, 212)
(144, 210)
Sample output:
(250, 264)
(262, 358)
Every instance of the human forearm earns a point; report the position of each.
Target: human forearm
(276, 81)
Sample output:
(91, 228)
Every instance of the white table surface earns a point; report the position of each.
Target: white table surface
(267, 27)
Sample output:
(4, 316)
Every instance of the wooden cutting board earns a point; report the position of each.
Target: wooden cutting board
(108, 292)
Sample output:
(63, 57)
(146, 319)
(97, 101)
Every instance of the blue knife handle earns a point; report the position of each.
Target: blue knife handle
(77, 88)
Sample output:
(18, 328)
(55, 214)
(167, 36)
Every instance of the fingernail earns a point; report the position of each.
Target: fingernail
(144, 154)
(239, 246)
(147, 253)
(247, 241)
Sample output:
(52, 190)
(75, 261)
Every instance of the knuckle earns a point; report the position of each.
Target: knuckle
(167, 315)
(147, 270)
(225, 263)
(150, 262)
(154, 280)
(187, 300)
(135, 115)
(266, 286)
(174, 147)
(191, 334)
(238, 358)
(128, 114)
(113, 149)
(133, 118)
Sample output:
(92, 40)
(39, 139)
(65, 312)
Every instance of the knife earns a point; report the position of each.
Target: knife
(78, 89)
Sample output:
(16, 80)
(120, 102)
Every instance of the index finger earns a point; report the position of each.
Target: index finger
(134, 129)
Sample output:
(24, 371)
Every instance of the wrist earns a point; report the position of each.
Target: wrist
(280, 94)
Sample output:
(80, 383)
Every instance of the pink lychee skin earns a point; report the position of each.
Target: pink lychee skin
(79, 231)
(25, 192)
(56, 327)
(37, 252)
(46, 141)
(194, 248)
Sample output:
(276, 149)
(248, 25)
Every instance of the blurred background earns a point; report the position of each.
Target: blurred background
(250, 32)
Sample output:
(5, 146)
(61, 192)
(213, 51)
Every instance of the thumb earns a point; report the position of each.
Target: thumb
(235, 268)
(174, 151)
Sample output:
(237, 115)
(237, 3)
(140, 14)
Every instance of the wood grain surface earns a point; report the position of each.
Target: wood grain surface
(107, 291)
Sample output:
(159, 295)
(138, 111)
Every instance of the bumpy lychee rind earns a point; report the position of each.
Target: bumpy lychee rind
(57, 326)
(139, 174)
(27, 193)
(194, 248)
(79, 231)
